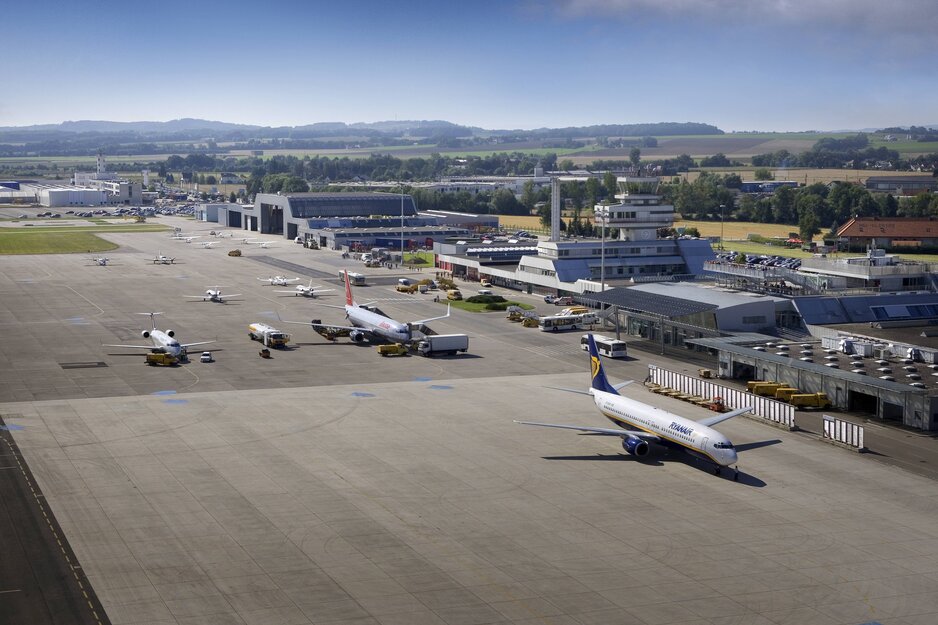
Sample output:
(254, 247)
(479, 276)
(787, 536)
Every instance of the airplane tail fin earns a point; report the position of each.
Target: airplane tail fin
(349, 300)
(597, 376)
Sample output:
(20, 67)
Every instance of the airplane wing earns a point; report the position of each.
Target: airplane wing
(318, 290)
(194, 344)
(291, 280)
(720, 418)
(198, 296)
(432, 318)
(265, 280)
(133, 346)
(291, 292)
(604, 431)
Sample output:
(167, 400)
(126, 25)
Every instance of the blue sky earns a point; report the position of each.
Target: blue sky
(772, 65)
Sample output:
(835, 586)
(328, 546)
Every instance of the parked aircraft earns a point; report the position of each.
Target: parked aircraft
(187, 239)
(279, 280)
(266, 245)
(214, 295)
(207, 245)
(640, 423)
(163, 342)
(306, 291)
(367, 324)
(159, 259)
(100, 261)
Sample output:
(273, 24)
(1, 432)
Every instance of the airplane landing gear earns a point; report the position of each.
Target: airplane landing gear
(736, 474)
(716, 471)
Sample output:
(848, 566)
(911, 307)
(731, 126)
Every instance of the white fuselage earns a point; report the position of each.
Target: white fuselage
(672, 429)
(378, 325)
(165, 343)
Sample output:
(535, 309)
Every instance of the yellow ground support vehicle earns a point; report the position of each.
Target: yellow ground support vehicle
(530, 322)
(393, 349)
(785, 392)
(765, 389)
(810, 400)
(454, 294)
(160, 359)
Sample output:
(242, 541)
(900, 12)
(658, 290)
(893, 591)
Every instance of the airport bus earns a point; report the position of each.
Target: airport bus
(606, 346)
(355, 279)
(556, 323)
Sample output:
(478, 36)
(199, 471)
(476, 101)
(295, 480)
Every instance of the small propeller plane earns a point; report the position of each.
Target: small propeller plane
(159, 259)
(213, 294)
(207, 245)
(279, 281)
(306, 291)
(266, 245)
(187, 239)
(103, 261)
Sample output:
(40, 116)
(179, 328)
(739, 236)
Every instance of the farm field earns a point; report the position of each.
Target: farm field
(801, 176)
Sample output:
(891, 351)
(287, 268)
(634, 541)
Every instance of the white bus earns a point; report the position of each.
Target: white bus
(355, 279)
(606, 346)
(555, 323)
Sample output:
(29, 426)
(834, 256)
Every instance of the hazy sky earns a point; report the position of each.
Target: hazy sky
(738, 64)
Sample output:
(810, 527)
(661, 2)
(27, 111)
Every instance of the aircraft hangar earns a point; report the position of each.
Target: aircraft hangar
(888, 400)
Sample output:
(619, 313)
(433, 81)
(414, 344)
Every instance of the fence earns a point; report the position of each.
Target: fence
(843, 432)
(771, 410)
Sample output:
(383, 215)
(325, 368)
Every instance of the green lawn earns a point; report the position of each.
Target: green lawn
(42, 242)
(65, 239)
(480, 308)
(748, 247)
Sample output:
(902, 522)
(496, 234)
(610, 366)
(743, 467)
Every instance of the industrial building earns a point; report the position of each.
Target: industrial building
(338, 220)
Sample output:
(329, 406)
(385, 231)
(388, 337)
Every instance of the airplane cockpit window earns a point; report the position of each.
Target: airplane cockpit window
(174, 344)
(723, 445)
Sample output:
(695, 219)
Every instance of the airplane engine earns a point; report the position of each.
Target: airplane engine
(357, 337)
(635, 446)
(146, 334)
(170, 333)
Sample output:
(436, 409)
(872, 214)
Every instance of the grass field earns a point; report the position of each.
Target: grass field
(65, 239)
(480, 308)
(44, 242)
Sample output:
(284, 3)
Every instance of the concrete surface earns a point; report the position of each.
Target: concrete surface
(329, 485)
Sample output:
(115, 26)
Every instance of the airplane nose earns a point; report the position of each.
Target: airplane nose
(731, 457)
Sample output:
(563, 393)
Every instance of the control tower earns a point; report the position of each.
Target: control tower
(640, 212)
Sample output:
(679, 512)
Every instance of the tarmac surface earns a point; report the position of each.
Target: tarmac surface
(330, 485)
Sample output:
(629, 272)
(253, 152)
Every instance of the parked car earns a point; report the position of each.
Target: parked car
(206, 357)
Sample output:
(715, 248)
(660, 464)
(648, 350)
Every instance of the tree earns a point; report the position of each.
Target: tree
(233, 197)
(610, 182)
(763, 174)
(808, 226)
(635, 156)
(783, 206)
(528, 197)
(593, 189)
(505, 203)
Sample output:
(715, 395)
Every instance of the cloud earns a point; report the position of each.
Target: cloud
(897, 17)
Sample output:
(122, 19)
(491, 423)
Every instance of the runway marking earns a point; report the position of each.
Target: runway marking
(3, 592)
(38, 499)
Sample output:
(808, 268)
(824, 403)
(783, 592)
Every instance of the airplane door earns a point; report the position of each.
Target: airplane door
(703, 444)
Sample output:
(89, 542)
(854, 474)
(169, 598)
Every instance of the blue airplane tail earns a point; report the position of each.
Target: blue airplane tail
(597, 375)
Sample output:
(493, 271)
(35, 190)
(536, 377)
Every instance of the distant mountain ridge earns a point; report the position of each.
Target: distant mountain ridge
(417, 127)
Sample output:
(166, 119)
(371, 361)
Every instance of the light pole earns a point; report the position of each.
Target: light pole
(402, 224)
(602, 213)
(722, 206)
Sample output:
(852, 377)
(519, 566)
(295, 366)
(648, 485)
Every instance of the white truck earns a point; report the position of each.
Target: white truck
(448, 344)
(270, 337)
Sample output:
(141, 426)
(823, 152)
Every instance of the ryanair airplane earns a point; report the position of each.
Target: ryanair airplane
(640, 423)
